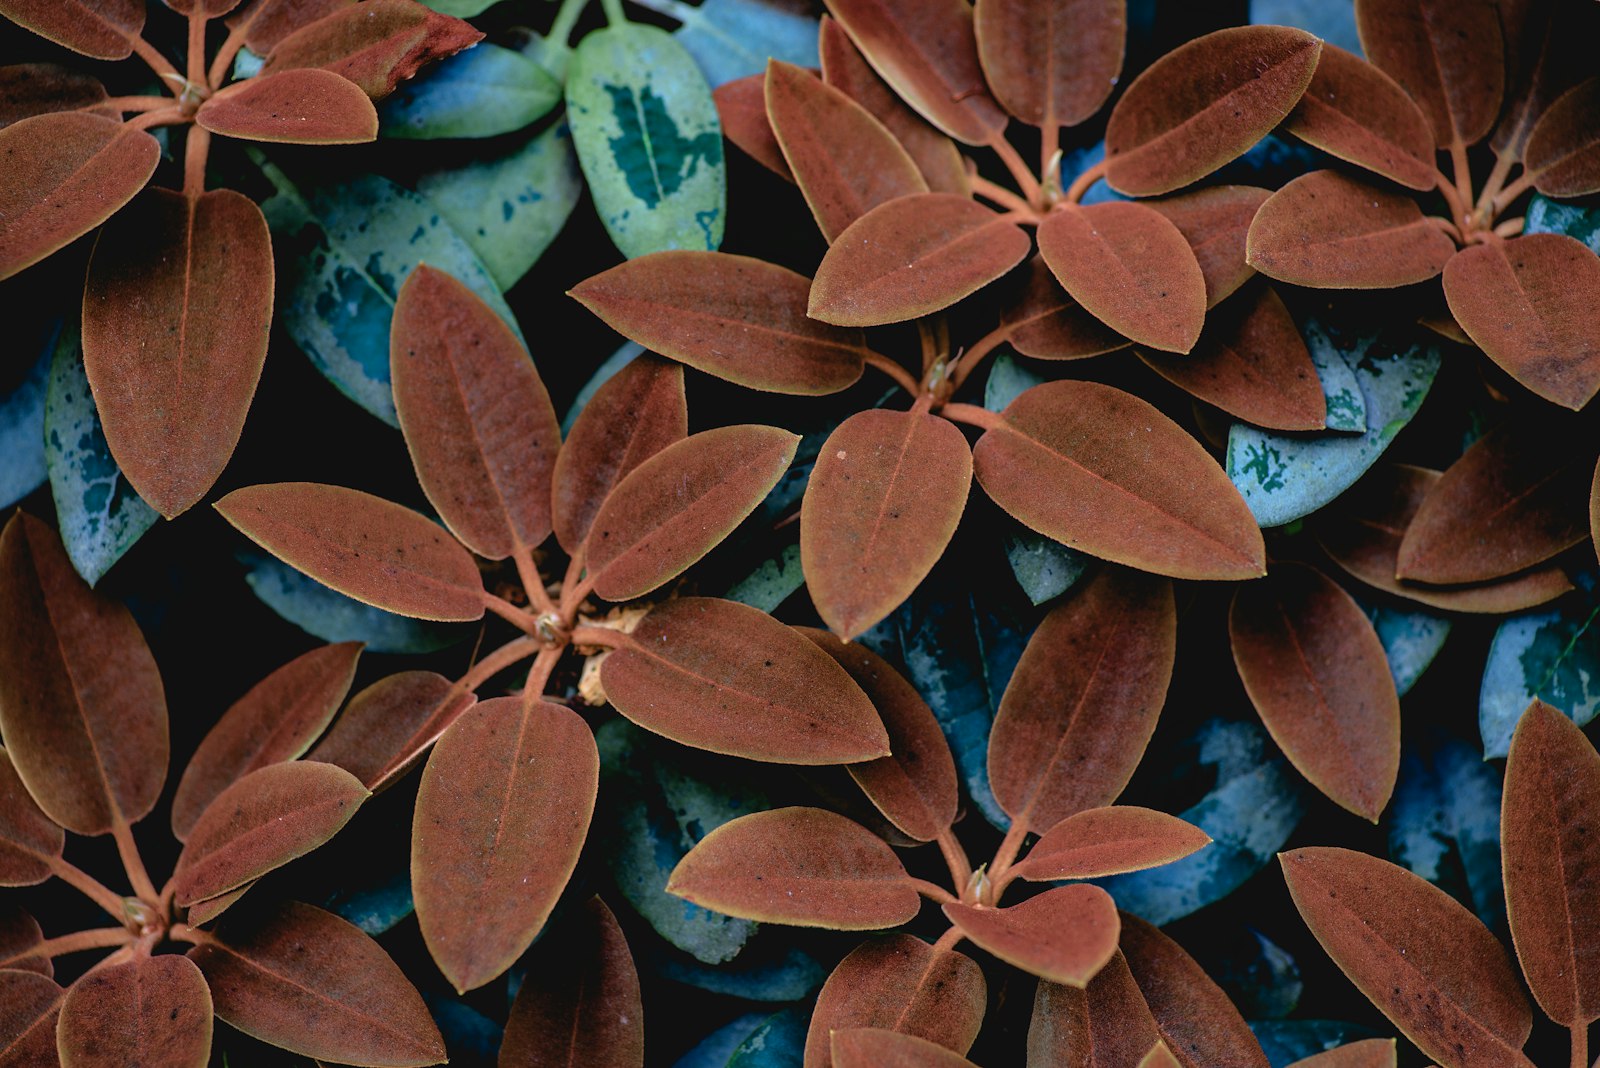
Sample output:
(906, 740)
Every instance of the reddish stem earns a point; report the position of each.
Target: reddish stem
(981, 348)
(510, 613)
(532, 583)
(1510, 193)
(157, 62)
(1083, 183)
(513, 652)
(78, 941)
(90, 887)
(1019, 170)
(197, 43)
(933, 891)
(158, 117)
(126, 104)
(1006, 855)
(999, 194)
(901, 376)
(949, 940)
(973, 415)
(539, 675)
(132, 862)
(196, 149)
(603, 636)
(955, 858)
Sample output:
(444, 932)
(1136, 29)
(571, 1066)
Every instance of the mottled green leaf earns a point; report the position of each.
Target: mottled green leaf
(649, 140)
(1411, 639)
(1045, 569)
(1260, 977)
(1341, 393)
(1287, 1041)
(461, 9)
(714, 1050)
(481, 92)
(376, 905)
(22, 428)
(1444, 823)
(1552, 655)
(1578, 221)
(333, 617)
(772, 581)
(780, 1042)
(99, 512)
(732, 38)
(772, 967)
(510, 206)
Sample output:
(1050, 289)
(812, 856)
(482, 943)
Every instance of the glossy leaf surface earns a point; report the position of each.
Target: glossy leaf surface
(388, 725)
(1065, 935)
(1450, 58)
(30, 841)
(1356, 112)
(1563, 151)
(297, 107)
(1195, 1017)
(101, 29)
(1215, 221)
(117, 1015)
(376, 44)
(1050, 63)
(1109, 841)
(869, 1047)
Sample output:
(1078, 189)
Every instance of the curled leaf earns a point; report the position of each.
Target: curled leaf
(1449, 55)
(1356, 112)
(1051, 63)
(297, 107)
(376, 44)
(1065, 935)
(1110, 841)
(116, 1015)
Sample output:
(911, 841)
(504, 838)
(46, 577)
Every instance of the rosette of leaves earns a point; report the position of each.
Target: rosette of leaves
(84, 721)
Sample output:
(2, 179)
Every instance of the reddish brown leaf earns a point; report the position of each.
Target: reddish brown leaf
(1546, 54)
(845, 161)
(579, 1005)
(1102, 471)
(1317, 675)
(926, 51)
(276, 721)
(1515, 499)
(207, 911)
(679, 504)
(883, 501)
(1551, 859)
(1065, 935)
(176, 315)
(29, 89)
(740, 319)
(805, 867)
(477, 421)
(103, 29)
(376, 44)
(1332, 232)
(30, 842)
(1215, 222)
(81, 704)
(121, 1014)
(365, 547)
(915, 786)
(1563, 151)
(1051, 62)
(66, 173)
(637, 412)
(1594, 507)
(1083, 702)
(260, 823)
(297, 107)
(1447, 54)
(1425, 961)
(1362, 532)
(1205, 103)
(1104, 1025)
(1160, 1056)
(1110, 841)
(870, 1047)
(1251, 362)
(345, 1002)
(20, 938)
(1049, 325)
(390, 724)
(911, 257)
(501, 815)
(902, 984)
(266, 22)
(742, 109)
(1529, 303)
(1370, 1053)
(1358, 113)
(726, 677)
(1131, 268)
(29, 1006)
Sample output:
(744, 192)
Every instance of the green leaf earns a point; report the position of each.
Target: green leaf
(649, 140)
(1411, 639)
(99, 513)
(333, 617)
(1546, 216)
(1283, 477)
(509, 207)
(469, 1035)
(22, 428)
(1287, 1041)
(461, 9)
(1045, 569)
(481, 92)
(1008, 379)
(1552, 655)
(771, 967)
(778, 1043)
(1341, 393)
(732, 38)
(714, 1050)
(773, 580)
(1444, 823)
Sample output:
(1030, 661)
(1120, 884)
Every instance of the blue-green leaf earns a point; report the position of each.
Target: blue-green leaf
(649, 140)
(377, 906)
(1008, 379)
(603, 374)
(771, 967)
(99, 513)
(22, 429)
(1341, 393)
(461, 9)
(1444, 823)
(333, 617)
(732, 38)
(1260, 976)
(1045, 569)
(1553, 655)
(773, 580)
(714, 1050)
(780, 1042)
(1546, 216)
(1287, 1041)
(481, 92)
(509, 207)
(469, 1036)
(1332, 20)
(1411, 639)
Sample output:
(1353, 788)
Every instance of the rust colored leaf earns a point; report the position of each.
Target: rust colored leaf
(1251, 362)
(102, 29)
(926, 51)
(502, 812)
(66, 173)
(1546, 54)
(915, 786)
(1369, 1053)
(1160, 1056)
(1065, 935)
(883, 501)
(346, 1001)
(276, 720)
(1358, 113)
(1104, 1025)
(1529, 303)
(1129, 267)
(81, 704)
(900, 983)
(121, 1014)
(1051, 62)
(680, 503)
(1205, 103)
(805, 867)
(176, 315)
(1110, 841)
(20, 937)
(1425, 961)
(740, 319)
(297, 107)
(1447, 54)
(1049, 325)
(1551, 861)
(1328, 231)
(1215, 222)
(387, 727)
(1102, 471)
(477, 420)
(579, 1005)
(207, 911)
(29, 1006)
(260, 823)
(376, 44)
(1083, 701)
(266, 22)
(726, 677)
(365, 547)
(29, 841)
(637, 412)
(1515, 499)
(911, 257)
(844, 68)
(1563, 151)
(1362, 532)
(742, 108)
(845, 161)
(875, 1047)
(29, 89)
(1317, 675)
